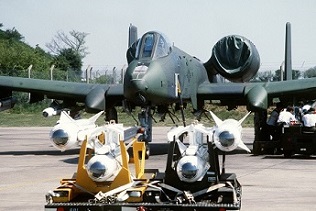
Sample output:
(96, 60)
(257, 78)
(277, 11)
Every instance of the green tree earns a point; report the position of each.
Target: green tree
(310, 73)
(76, 41)
(68, 59)
(16, 56)
(103, 79)
(68, 50)
(264, 76)
(295, 75)
(11, 34)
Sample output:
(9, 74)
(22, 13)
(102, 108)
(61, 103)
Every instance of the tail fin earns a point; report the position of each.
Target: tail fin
(94, 118)
(65, 118)
(132, 42)
(217, 120)
(243, 119)
(227, 134)
(243, 146)
(288, 53)
(132, 35)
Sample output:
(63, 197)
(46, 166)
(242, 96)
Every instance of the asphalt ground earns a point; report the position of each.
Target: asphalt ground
(30, 167)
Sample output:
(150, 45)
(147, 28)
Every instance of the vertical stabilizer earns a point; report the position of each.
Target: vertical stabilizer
(132, 43)
(288, 53)
(132, 35)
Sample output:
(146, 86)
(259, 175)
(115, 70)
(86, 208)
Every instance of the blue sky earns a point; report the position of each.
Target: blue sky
(193, 25)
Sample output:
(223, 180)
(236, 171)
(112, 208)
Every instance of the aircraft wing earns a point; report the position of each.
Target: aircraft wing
(90, 94)
(258, 95)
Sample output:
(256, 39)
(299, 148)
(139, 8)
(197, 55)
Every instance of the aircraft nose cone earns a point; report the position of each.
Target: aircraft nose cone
(226, 138)
(137, 91)
(45, 114)
(141, 85)
(60, 137)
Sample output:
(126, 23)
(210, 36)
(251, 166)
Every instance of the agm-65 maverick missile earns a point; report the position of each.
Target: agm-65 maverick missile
(103, 163)
(105, 142)
(68, 133)
(193, 174)
(193, 162)
(227, 133)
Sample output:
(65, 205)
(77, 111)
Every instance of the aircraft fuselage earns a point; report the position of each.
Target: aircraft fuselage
(156, 80)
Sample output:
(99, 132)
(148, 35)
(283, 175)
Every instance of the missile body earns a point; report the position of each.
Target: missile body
(68, 133)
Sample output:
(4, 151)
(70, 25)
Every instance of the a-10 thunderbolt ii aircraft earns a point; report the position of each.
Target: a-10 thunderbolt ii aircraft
(160, 75)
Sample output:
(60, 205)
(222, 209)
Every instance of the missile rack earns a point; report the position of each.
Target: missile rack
(148, 189)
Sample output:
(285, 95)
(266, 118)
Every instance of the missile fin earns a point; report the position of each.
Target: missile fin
(217, 120)
(94, 118)
(64, 118)
(243, 146)
(175, 132)
(241, 143)
(182, 147)
(243, 119)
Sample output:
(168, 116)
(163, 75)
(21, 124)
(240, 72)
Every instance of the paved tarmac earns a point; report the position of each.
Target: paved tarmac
(30, 167)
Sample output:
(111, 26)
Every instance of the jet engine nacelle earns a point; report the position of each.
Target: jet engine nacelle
(235, 58)
(68, 133)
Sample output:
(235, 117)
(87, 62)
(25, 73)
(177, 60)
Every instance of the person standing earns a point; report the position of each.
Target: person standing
(286, 116)
(272, 127)
(309, 120)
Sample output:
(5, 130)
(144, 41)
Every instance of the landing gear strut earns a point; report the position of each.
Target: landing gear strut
(145, 120)
(111, 114)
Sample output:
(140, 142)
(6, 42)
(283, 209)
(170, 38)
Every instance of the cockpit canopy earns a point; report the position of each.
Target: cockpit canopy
(153, 45)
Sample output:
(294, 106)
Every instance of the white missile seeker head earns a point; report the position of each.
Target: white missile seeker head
(227, 133)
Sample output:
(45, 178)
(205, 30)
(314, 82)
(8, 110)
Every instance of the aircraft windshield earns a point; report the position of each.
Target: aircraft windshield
(153, 45)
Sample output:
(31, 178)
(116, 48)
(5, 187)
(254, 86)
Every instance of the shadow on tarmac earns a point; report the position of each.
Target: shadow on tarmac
(37, 152)
(155, 149)
(296, 157)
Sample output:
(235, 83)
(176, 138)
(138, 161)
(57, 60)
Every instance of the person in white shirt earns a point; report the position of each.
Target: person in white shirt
(309, 119)
(286, 116)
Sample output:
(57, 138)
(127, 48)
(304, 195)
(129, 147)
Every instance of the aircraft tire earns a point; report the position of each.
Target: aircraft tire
(147, 152)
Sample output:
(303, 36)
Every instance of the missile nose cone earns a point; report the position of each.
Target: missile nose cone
(189, 170)
(45, 114)
(226, 138)
(60, 137)
(97, 170)
(101, 167)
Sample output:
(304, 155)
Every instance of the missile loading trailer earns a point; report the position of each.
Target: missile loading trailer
(293, 139)
(192, 179)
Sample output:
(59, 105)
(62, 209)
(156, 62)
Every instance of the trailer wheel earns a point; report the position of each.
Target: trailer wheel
(256, 148)
(288, 153)
(147, 152)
